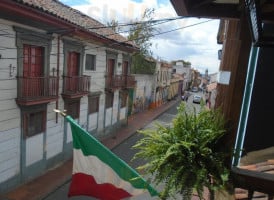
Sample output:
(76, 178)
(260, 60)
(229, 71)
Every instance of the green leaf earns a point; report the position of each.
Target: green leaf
(185, 156)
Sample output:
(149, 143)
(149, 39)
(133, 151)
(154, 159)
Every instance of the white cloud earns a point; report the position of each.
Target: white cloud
(195, 43)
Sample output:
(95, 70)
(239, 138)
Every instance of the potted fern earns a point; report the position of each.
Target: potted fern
(186, 156)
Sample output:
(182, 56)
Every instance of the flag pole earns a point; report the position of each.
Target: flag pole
(63, 113)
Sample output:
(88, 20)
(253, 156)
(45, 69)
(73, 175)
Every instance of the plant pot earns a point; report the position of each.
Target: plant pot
(223, 195)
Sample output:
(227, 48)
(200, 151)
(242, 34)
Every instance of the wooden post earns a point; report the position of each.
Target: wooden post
(236, 50)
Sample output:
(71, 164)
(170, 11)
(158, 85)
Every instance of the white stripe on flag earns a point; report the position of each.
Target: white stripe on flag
(101, 172)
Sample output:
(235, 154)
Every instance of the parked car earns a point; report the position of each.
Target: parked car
(197, 99)
(195, 89)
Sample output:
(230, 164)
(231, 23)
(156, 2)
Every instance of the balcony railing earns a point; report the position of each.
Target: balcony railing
(76, 86)
(252, 181)
(115, 82)
(35, 90)
(130, 81)
(120, 81)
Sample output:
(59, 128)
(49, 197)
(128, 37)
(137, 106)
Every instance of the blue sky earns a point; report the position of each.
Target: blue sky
(195, 43)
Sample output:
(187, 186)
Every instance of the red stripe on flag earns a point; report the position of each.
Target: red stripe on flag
(83, 184)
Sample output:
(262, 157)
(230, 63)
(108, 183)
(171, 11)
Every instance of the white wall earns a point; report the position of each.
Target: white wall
(115, 107)
(54, 138)
(10, 114)
(51, 143)
(9, 153)
(145, 86)
(108, 117)
(93, 121)
(123, 113)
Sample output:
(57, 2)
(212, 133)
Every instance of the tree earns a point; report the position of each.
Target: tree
(186, 156)
(141, 32)
(114, 25)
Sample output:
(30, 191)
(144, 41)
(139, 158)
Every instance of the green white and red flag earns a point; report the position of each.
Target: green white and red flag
(99, 173)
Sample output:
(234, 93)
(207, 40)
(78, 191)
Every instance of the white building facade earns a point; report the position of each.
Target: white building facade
(184, 69)
(50, 59)
(145, 85)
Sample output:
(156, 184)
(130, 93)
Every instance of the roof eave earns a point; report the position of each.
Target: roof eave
(54, 24)
(211, 10)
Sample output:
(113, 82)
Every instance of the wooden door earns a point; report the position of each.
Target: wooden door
(72, 71)
(125, 73)
(33, 71)
(110, 72)
(125, 70)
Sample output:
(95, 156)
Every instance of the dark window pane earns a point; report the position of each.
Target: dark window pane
(73, 108)
(109, 100)
(90, 62)
(34, 123)
(93, 104)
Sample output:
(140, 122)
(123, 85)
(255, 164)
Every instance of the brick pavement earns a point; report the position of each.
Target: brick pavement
(54, 178)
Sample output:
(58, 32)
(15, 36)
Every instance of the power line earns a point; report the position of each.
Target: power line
(123, 24)
(128, 40)
(165, 32)
(161, 32)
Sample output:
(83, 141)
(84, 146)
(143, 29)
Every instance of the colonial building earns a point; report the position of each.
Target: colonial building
(54, 57)
(163, 77)
(183, 69)
(144, 90)
(155, 86)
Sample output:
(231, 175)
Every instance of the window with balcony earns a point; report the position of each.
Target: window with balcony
(113, 81)
(35, 85)
(75, 84)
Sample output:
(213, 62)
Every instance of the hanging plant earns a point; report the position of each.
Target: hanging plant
(186, 156)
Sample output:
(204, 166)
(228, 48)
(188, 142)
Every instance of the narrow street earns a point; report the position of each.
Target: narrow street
(124, 151)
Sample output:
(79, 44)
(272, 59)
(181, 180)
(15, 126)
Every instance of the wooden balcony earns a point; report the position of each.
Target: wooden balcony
(120, 81)
(130, 81)
(114, 82)
(75, 86)
(36, 90)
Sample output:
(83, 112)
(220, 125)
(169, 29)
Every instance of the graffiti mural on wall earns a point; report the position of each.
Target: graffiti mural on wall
(138, 104)
(141, 104)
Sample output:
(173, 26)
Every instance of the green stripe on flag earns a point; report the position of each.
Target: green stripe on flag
(91, 146)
